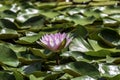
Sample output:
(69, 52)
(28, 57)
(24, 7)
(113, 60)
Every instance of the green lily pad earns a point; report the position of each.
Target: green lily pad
(80, 31)
(78, 1)
(49, 14)
(28, 69)
(83, 20)
(5, 23)
(109, 22)
(115, 17)
(28, 39)
(32, 77)
(15, 48)
(38, 52)
(79, 44)
(109, 70)
(77, 69)
(117, 77)
(53, 76)
(100, 51)
(8, 34)
(8, 56)
(27, 57)
(110, 37)
(83, 78)
(78, 56)
(66, 76)
(111, 9)
(3, 7)
(91, 12)
(8, 14)
(26, 14)
(6, 76)
(18, 75)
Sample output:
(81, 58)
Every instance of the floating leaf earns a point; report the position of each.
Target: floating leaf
(5, 23)
(83, 20)
(80, 31)
(109, 70)
(28, 69)
(66, 76)
(27, 58)
(78, 56)
(38, 52)
(28, 39)
(83, 78)
(100, 53)
(8, 34)
(79, 44)
(8, 14)
(117, 77)
(15, 48)
(53, 76)
(18, 75)
(115, 17)
(110, 9)
(32, 77)
(110, 37)
(26, 14)
(81, 68)
(79, 1)
(8, 56)
(49, 14)
(6, 76)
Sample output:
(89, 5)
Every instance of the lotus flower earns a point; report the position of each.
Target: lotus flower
(55, 42)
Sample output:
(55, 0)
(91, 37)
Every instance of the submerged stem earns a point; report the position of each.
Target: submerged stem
(58, 59)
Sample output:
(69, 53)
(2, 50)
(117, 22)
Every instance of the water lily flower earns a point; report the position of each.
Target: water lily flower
(55, 42)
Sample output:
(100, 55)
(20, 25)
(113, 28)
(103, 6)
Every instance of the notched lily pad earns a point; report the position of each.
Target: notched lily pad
(8, 34)
(28, 39)
(110, 37)
(8, 56)
(5, 23)
(38, 52)
(8, 14)
(81, 68)
(79, 44)
(109, 70)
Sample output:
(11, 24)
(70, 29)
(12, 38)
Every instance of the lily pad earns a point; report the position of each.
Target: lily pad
(28, 39)
(79, 44)
(81, 68)
(8, 34)
(83, 78)
(8, 56)
(5, 23)
(6, 76)
(110, 37)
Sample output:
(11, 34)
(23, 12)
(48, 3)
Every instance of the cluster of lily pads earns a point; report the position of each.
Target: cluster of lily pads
(60, 40)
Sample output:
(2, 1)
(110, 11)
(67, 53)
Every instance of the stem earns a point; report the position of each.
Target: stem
(57, 2)
(58, 59)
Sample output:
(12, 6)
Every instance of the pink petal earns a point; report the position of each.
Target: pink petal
(53, 41)
(68, 40)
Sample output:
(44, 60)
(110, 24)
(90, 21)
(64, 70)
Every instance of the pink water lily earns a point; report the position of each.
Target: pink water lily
(55, 42)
